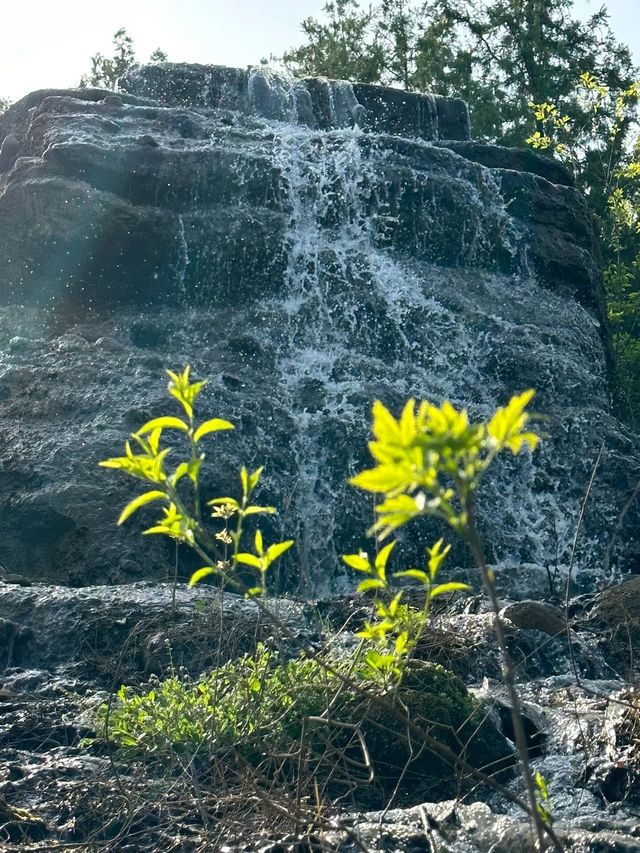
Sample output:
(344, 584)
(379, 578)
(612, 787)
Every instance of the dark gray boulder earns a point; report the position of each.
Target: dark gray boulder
(309, 246)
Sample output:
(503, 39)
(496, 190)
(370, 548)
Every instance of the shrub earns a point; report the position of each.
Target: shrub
(294, 720)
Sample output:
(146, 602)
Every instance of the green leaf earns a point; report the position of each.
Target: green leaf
(190, 469)
(506, 427)
(394, 604)
(123, 462)
(223, 502)
(259, 546)
(277, 550)
(384, 478)
(254, 478)
(394, 512)
(255, 590)
(204, 572)
(249, 560)
(437, 555)
(141, 500)
(359, 562)
(444, 588)
(416, 574)
(255, 510)
(378, 661)
(213, 425)
(162, 423)
(371, 583)
(541, 785)
(402, 643)
(385, 427)
(382, 559)
(160, 529)
(154, 440)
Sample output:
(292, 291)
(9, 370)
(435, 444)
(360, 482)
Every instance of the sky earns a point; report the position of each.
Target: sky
(48, 43)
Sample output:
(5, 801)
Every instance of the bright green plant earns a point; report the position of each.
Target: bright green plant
(182, 514)
(312, 728)
(253, 703)
(398, 627)
(544, 801)
(430, 462)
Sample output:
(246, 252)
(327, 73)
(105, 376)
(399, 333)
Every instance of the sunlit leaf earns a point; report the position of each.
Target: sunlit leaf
(256, 510)
(384, 478)
(385, 427)
(437, 553)
(189, 469)
(254, 478)
(394, 604)
(402, 643)
(278, 549)
(359, 562)
(163, 423)
(224, 502)
(213, 425)
(204, 572)
(506, 427)
(370, 583)
(249, 560)
(416, 574)
(138, 502)
(254, 591)
(382, 558)
(445, 588)
(258, 543)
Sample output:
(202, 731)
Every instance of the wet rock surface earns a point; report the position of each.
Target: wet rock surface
(309, 246)
(57, 788)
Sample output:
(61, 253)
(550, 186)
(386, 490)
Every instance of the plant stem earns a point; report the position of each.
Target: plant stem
(473, 540)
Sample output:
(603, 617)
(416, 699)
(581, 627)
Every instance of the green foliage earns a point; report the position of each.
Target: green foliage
(317, 716)
(499, 55)
(603, 152)
(430, 462)
(106, 71)
(544, 802)
(253, 703)
(340, 47)
(293, 720)
(432, 457)
(145, 459)
(5, 103)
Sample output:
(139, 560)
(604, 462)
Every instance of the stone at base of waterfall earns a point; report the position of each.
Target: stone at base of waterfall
(450, 827)
(537, 615)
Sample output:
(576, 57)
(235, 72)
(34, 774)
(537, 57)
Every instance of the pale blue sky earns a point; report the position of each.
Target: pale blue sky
(47, 43)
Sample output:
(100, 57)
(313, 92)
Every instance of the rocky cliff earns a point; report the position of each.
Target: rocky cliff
(308, 246)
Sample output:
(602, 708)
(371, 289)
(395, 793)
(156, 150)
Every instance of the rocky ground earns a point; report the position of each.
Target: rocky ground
(66, 649)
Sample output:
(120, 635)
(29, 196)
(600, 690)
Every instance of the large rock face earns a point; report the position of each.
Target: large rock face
(309, 247)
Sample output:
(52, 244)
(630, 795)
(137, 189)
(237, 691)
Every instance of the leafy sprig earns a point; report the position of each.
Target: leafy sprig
(181, 520)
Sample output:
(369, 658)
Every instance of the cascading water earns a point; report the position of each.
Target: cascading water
(362, 320)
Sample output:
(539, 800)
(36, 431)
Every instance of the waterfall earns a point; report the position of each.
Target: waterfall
(361, 320)
(309, 246)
